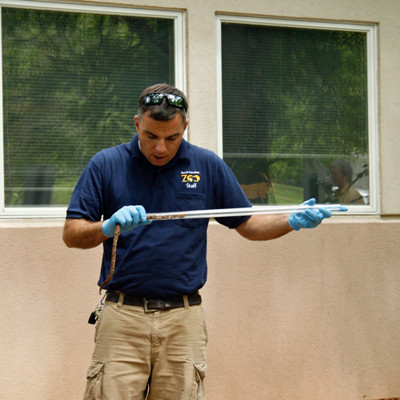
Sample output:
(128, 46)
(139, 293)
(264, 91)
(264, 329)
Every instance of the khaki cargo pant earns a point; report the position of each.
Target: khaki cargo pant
(134, 348)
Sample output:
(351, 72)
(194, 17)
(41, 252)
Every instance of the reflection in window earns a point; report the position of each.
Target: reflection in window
(70, 87)
(294, 103)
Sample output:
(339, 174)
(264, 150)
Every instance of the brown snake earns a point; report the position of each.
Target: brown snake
(113, 257)
(114, 249)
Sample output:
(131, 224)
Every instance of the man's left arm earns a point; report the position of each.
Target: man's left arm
(266, 227)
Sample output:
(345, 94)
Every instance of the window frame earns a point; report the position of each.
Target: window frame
(371, 31)
(180, 79)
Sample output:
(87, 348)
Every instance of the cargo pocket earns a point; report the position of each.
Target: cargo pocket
(94, 384)
(198, 392)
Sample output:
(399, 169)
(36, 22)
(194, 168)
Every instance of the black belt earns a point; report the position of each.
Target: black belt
(155, 304)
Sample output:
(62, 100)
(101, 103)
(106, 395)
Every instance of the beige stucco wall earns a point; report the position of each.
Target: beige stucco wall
(309, 316)
(313, 315)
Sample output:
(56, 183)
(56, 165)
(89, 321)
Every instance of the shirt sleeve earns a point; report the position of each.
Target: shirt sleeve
(229, 194)
(87, 197)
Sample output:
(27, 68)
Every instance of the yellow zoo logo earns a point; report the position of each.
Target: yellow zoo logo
(190, 178)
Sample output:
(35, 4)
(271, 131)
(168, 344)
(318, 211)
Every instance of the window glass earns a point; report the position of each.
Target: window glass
(295, 113)
(70, 87)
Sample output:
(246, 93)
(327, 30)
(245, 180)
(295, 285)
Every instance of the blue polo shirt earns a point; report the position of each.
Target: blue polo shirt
(166, 258)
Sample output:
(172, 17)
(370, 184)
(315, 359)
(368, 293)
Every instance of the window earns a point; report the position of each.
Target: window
(298, 106)
(71, 79)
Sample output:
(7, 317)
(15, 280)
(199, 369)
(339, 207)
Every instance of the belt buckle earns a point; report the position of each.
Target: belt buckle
(146, 306)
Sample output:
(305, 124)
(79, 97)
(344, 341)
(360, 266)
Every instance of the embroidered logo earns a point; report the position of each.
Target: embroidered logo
(190, 178)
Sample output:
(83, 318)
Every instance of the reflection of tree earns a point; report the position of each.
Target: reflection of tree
(71, 82)
(299, 92)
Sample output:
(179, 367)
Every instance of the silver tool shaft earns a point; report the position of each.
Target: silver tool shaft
(234, 212)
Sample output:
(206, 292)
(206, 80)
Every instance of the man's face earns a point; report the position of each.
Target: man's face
(159, 140)
(337, 177)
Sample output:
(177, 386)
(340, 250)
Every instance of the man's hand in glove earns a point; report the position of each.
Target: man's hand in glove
(309, 218)
(128, 217)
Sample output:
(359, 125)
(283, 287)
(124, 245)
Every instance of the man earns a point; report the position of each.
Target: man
(151, 334)
(342, 174)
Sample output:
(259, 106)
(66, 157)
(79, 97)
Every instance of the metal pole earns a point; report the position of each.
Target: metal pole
(234, 212)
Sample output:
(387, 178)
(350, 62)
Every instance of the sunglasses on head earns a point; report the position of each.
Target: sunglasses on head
(157, 98)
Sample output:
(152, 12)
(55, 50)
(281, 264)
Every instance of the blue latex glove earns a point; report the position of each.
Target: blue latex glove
(129, 217)
(309, 218)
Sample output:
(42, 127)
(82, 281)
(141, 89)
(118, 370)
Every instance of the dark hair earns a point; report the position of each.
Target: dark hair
(344, 167)
(162, 111)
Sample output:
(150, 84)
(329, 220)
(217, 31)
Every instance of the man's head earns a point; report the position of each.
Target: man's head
(162, 102)
(341, 172)
(161, 122)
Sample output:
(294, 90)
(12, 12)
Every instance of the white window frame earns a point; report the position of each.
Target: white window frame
(371, 31)
(180, 79)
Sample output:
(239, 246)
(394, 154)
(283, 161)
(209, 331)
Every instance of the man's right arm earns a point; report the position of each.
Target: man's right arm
(85, 234)
(82, 233)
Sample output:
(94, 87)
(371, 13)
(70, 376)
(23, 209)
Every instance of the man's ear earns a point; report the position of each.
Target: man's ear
(137, 122)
